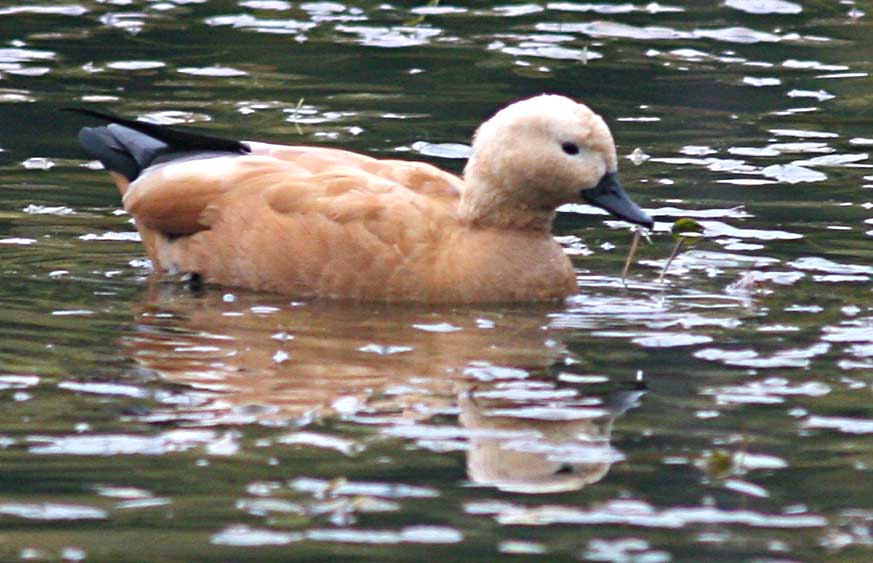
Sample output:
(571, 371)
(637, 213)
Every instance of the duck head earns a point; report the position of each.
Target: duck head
(537, 154)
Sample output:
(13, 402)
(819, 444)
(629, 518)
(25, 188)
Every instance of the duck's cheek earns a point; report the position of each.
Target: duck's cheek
(591, 169)
(572, 181)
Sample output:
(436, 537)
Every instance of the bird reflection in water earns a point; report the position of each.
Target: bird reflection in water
(242, 358)
(563, 450)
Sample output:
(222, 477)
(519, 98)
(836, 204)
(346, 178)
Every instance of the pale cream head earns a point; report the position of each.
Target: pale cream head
(532, 157)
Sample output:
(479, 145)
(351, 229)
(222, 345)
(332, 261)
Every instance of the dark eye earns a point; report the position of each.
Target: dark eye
(570, 148)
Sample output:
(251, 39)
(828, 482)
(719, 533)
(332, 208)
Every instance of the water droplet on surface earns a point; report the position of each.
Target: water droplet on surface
(325, 441)
(430, 534)
(73, 554)
(52, 511)
(717, 228)
(624, 550)
(38, 163)
(120, 444)
(72, 313)
(393, 37)
(225, 445)
(819, 264)
(443, 150)
(347, 405)
(793, 174)
(668, 340)
(110, 236)
(264, 310)
(281, 356)
(494, 373)
(135, 65)
(129, 493)
(117, 389)
(639, 513)
(520, 547)
(765, 6)
(241, 535)
(753, 461)
(637, 157)
(846, 425)
(696, 150)
(802, 133)
(61, 10)
(820, 95)
(47, 210)
(214, 71)
(746, 488)
(437, 327)
(384, 349)
(320, 487)
(18, 381)
(277, 5)
(762, 81)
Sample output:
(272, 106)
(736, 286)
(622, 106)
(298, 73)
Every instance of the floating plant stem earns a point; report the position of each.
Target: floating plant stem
(630, 256)
(295, 115)
(419, 19)
(679, 244)
(638, 232)
(684, 231)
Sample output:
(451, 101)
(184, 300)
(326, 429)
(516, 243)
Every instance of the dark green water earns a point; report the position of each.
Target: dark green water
(141, 422)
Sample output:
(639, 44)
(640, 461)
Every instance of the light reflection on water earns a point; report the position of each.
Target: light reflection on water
(228, 425)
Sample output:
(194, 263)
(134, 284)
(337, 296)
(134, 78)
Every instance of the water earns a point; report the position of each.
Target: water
(723, 415)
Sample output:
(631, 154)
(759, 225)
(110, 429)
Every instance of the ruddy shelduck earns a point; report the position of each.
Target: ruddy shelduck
(321, 222)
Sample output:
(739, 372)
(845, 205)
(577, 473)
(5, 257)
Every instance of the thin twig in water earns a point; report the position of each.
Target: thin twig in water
(679, 244)
(419, 19)
(295, 115)
(639, 232)
(630, 257)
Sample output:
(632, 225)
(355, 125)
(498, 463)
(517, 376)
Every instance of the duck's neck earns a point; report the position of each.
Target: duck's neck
(491, 206)
(497, 215)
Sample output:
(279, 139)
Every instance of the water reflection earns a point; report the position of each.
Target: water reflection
(249, 358)
(546, 456)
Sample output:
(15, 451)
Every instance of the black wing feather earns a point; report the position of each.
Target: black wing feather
(128, 147)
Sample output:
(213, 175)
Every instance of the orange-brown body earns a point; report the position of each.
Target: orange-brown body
(320, 222)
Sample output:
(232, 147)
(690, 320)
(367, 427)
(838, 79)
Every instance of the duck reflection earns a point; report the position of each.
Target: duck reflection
(253, 358)
(563, 453)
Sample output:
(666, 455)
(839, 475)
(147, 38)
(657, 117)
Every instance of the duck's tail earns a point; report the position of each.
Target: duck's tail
(127, 147)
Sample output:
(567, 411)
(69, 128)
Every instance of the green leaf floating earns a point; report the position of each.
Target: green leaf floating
(687, 228)
(685, 231)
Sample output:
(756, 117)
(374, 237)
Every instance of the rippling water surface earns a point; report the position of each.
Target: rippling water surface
(723, 414)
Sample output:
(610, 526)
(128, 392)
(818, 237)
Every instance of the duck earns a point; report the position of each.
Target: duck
(321, 222)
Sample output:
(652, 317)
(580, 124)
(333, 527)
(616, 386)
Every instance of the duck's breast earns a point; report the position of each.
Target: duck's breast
(498, 265)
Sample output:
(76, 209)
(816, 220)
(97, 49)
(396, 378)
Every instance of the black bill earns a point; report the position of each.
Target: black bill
(609, 195)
